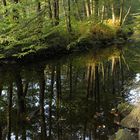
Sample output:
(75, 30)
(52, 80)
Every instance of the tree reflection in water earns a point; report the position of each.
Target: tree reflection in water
(62, 100)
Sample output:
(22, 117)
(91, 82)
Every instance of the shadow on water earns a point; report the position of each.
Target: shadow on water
(63, 100)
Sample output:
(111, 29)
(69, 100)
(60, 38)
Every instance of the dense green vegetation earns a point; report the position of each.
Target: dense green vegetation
(32, 26)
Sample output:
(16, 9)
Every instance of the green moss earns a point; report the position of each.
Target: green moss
(125, 108)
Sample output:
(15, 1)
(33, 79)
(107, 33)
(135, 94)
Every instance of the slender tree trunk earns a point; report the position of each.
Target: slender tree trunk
(103, 13)
(85, 128)
(50, 11)
(121, 11)
(42, 94)
(1, 87)
(89, 81)
(97, 87)
(50, 103)
(4, 2)
(96, 5)
(113, 13)
(88, 8)
(69, 18)
(71, 86)
(38, 6)
(58, 102)
(70, 96)
(84, 9)
(56, 12)
(9, 110)
(78, 11)
(124, 19)
(21, 106)
(122, 73)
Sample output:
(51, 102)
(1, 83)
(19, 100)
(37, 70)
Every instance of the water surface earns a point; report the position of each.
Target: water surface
(70, 98)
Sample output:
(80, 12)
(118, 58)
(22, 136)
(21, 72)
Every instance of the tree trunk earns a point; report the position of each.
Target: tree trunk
(89, 81)
(38, 6)
(56, 12)
(58, 100)
(9, 110)
(0, 123)
(4, 2)
(21, 106)
(113, 13)
(69, 18)
(97, 87)
(121, 12)
(50, 103)
(50, 11)
(96, 4)
(88, 8)
(103, 13)
(42, 93)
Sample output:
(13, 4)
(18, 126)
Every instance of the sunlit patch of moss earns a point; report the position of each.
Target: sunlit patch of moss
(125, 108)
(102, 31)
(114, 24)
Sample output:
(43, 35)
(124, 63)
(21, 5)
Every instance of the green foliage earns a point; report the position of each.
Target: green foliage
(24, 29)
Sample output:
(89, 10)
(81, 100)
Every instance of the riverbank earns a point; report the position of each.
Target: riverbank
(58, 42)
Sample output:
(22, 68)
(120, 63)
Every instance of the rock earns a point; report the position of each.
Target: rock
(125, 134)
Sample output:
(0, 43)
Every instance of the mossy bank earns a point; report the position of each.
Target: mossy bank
(58, 41)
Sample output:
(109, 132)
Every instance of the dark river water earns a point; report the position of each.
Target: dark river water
(70, 98)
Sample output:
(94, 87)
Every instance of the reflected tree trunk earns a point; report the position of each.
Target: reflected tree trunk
(89, 81)
(97, 87)
(9, 119)
(21, 107)
(58, 100)
(122, 74)
(71, 81)
(1, 87)
(50, 103)
(75, 81)
(41, 101)
(70, 96)
(113, 81)
(84, 133)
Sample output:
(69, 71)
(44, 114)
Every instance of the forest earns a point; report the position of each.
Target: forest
(32, 27)
(69, 70)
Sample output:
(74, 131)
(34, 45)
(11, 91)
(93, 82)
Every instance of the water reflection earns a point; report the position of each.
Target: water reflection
(60, 100)
(133, 91)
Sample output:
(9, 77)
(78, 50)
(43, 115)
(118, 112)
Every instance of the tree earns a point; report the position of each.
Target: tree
(56, 12)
